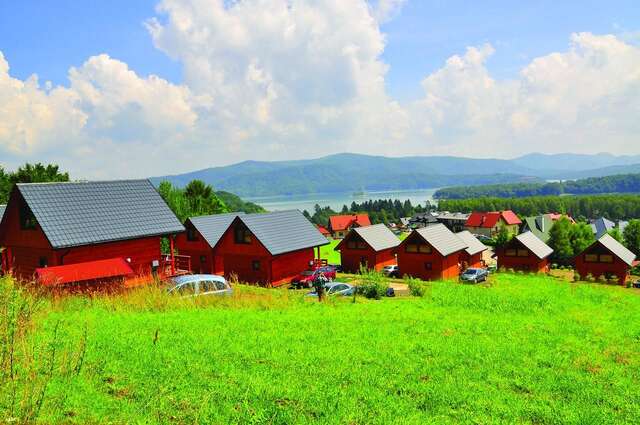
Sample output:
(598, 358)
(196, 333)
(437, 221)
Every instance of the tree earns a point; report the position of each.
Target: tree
(632, 236)
(503, 236)
(29, 173)
(196, 199)
(615, 234)
(581, 236)
(560, 241)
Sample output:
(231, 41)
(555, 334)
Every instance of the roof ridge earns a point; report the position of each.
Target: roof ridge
(82, 182)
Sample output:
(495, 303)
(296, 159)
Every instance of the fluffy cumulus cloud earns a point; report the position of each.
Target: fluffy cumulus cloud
(279, 79)
(585, 99)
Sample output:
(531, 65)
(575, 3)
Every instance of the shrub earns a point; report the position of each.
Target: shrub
(577, 277)
(554, 265)
(417, 287)
(613, 279)
(590, 278)
(374, 284)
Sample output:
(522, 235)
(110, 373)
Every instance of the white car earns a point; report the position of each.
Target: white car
(391, 271)
(199, 284)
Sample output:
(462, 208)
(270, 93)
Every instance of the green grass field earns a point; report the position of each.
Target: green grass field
(518, 349)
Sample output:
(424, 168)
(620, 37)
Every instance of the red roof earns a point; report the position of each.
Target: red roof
(80, 272)
(490, 219)
(344, 222)
(557, 216)
(323, 230)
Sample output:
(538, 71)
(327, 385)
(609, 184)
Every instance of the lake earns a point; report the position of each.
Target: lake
(337, 200)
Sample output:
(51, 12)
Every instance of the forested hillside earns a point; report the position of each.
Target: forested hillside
(614, 207)
(625, 183)
(380, 211)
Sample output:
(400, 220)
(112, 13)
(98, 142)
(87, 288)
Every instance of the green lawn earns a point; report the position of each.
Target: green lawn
(519, 349)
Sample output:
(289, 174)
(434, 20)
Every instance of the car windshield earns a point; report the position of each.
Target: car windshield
(471, 271)
(308, 273)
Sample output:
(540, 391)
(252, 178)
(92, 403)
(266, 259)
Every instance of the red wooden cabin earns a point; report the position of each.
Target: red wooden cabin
(339, 225)
(372, 247)
(606, 257)
(269, 248)
(431, 253)
(472, 255)
(61, 224)
(200, 241)
(525, 252)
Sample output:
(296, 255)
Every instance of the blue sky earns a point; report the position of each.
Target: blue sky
(290, 79)
(46, 37)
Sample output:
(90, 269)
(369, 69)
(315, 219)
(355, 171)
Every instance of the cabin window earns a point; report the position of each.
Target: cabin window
(425, 249)
(255, 265)
(27, 219)
(591, 258)
(606, 258)
(428, 266)
(411, 247)
(523, 253)
(242, 235)
(192, 235)
(511, 252)
(44, 262)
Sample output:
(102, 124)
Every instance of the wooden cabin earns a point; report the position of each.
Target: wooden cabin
(525, 252)
(431, 253)
(372, 247)
(339, 225)
(472, 254)
(489, 223)
(60, 224)
(200, 242)
(269, 248)
(605, 258)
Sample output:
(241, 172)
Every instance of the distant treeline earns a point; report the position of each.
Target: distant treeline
(613, 207)
(624, 183)
(380, 211)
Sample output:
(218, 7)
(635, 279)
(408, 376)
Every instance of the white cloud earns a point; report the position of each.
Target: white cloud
(284, 79)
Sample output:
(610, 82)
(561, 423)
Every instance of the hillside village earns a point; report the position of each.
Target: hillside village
(112, 233)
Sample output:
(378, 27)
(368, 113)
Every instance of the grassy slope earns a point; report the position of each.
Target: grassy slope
(522, 349)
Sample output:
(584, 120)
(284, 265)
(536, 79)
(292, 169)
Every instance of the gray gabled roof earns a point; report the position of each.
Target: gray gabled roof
(76, 214)
(535, 245)
(442, 239)
(601, 226)
(474, 246)
(283, 231)
(617, 248)
(378, 236)
(212, 227)
(2, 208)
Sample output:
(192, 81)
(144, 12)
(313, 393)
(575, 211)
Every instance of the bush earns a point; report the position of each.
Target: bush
(554, 265)
(374, 284)
(577, 277)
(417, 287)
(590, 278)
(613, 279)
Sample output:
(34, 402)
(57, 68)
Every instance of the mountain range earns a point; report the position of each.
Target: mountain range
(349, 172)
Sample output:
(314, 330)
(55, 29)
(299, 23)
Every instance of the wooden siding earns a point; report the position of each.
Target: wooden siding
(415, 264)
(600, 269)
(529, 263)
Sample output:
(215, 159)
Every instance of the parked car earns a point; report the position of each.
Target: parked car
(474, 275)
(307, 277)
(492, 268)
(636, 284)
(199, 284)
(391, 271)
(336, 288)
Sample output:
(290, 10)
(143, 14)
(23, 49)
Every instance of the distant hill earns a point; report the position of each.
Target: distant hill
(623, 183)
(353, 172)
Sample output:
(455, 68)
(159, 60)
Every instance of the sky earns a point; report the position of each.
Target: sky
(125, 89)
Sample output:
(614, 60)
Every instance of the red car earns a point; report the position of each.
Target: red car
(306, 278)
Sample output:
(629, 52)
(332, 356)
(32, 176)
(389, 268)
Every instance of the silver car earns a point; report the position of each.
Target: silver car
(336, 288)
(474, 275)
(391, 271)
(199, 284)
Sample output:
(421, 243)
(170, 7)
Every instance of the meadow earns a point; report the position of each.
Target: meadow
(524, 349)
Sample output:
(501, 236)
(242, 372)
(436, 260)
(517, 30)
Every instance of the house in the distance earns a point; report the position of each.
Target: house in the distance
(431, 253)
(324, 231)
(454, 221)
(539, 225)
(200, 241)
(339, 225)
(371, 247)
(270, 248)
(472, 255)
(525, 252)
(89, 230)
(606, 257)
(601, 226)
(489, 223)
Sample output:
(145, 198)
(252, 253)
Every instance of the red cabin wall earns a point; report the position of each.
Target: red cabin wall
(597, 270)
(237, 259)
(413, 264)
(351, 259)
(531, 263)
(196, 250)
(474, 261)
(285, 267)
